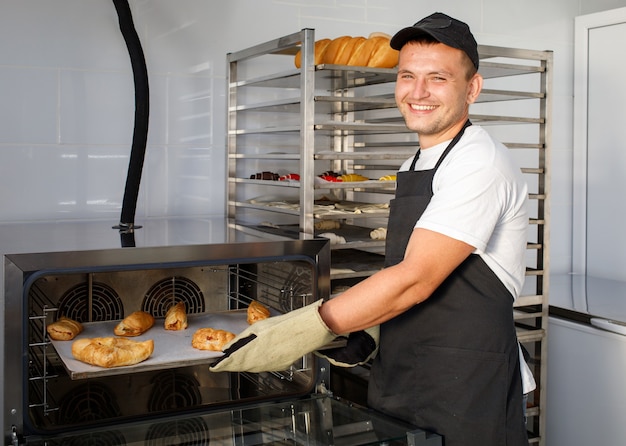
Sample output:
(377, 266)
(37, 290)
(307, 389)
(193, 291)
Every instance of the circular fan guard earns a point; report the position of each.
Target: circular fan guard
(173, 390)
(106, 305)
(185, 432)
(166, 292)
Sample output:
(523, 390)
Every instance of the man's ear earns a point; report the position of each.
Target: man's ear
(474, 88)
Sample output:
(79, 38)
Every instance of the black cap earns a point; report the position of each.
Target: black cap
(444, 29)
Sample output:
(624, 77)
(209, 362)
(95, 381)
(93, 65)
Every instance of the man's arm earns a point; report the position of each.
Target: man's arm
(275, 343)
(430, 257)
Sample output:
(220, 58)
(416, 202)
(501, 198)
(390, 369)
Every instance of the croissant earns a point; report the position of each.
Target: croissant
(134, 324)
(64, 329)
(257, 312)
(211, 339)
(334, 238)
(111, 352)
(379, 234)
(176, 317)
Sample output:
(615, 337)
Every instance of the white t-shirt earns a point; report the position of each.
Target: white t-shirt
(480, 198)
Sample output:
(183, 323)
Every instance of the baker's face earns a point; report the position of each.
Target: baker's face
(433, 91)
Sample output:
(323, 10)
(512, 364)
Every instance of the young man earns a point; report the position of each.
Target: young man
(448, 358)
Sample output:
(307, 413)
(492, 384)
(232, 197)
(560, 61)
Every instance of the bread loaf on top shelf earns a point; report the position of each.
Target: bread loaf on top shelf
(373, 51)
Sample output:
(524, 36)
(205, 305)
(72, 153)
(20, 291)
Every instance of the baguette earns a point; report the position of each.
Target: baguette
(134, 324)
(383, 56)
(64, 329)
(176, 317)
(319, 50)
(345, 51)
(334, 47)
(111, 352)
(361, 55)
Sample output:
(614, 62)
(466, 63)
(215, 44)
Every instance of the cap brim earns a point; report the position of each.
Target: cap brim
(406, 34)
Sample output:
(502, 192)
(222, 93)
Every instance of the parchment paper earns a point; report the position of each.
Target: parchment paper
(171, 348)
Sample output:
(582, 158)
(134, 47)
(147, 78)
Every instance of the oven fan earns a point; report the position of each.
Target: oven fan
(173, 390)
(88, 402)
(185, 432)
(297, 283)
(166, 292)
(106, 305)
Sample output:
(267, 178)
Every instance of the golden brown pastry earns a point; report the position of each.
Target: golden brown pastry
(64, 329)
(134, 324)
(319, 49)
(211, 339)
(257, 312)
(112, 352)
(176, 317)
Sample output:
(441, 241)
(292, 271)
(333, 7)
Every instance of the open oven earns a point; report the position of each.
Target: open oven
(171, 398)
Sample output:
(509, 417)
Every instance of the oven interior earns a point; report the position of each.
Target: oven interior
(45, 395)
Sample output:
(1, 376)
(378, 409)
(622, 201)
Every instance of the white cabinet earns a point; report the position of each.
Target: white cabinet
(310, 120)
(587, 398)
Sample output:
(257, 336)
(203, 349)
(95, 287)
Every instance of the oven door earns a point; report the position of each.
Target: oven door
(316, 420)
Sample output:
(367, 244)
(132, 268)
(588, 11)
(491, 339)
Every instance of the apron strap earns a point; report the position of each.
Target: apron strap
(453, 143)
(445, 152)
(415, 158)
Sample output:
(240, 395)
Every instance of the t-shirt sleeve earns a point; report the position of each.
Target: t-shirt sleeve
(466, 203)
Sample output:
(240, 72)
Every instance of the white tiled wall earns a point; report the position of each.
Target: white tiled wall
(67, 96)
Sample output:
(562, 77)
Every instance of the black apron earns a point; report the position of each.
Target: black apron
(450, 364)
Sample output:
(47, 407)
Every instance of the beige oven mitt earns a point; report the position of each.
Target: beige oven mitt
(277, 342)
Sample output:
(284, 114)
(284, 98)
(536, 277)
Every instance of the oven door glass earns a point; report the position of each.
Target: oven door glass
(317, 420)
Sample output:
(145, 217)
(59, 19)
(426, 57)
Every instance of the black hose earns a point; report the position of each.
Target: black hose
(142, 112)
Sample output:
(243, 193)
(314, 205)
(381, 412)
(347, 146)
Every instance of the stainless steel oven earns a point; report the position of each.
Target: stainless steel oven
(171, 398)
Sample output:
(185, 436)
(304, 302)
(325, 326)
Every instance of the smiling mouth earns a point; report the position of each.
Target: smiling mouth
(422, 107)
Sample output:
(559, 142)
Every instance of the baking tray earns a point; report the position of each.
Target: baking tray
(171, 348)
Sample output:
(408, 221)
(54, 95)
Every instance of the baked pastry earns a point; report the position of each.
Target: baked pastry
(257, 312)
(134, 324)
(176, 317)
(64, 329)
(211, 339)
(111, 352)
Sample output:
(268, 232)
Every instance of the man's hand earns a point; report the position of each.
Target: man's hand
(275, 343)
